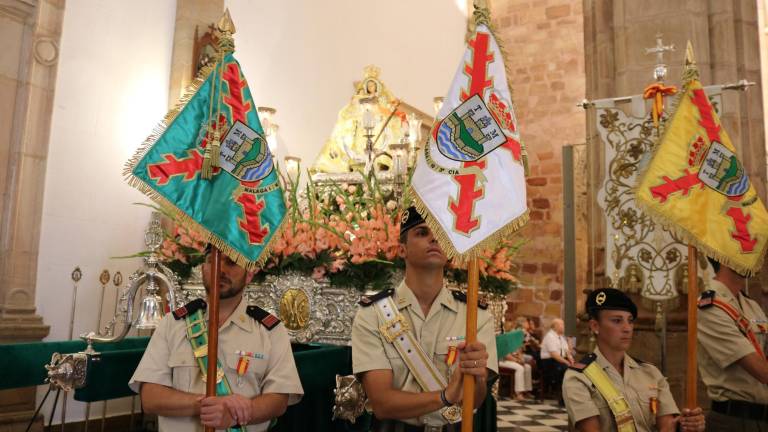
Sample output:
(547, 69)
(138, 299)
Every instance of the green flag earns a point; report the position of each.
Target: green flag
(209, 163)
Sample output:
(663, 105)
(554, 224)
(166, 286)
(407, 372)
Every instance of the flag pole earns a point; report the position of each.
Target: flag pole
(693, 294)
(468, 403)
(213, 326)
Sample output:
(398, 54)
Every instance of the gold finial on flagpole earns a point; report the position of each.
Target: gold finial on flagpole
(225, 29)
(690, 71)
(225, 24)
(481, 14)
(690, 61)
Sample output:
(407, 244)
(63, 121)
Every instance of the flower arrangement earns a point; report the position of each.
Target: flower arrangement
(347, 233)
(182, 250)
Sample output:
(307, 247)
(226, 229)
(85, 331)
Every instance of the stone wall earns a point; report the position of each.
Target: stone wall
(544, 44)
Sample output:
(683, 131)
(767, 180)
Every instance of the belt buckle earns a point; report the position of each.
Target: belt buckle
(451, 413)
(201, 351)
(384, 328)
(432, 428)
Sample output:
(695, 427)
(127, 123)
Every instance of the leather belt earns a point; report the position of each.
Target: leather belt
(741, 409)
(398, 426)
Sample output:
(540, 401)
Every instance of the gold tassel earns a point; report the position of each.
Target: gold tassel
(211, 154)
(206, 171)
(215, 149)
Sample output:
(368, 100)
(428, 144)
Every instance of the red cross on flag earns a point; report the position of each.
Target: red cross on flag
(469, 182)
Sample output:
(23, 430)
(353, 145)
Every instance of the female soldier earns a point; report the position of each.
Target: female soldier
(639, 393)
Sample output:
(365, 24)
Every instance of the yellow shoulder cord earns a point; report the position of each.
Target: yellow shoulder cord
(616, 401)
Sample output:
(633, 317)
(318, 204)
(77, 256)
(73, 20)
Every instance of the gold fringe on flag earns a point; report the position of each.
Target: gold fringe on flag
(177, 213)
(460, 259)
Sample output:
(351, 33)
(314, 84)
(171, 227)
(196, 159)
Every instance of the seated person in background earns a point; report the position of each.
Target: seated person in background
(641, 400)
(555, 355)
(523, 381)
(532, 339)
(529, 342)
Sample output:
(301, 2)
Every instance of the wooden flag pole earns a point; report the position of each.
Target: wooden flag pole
(213, 325)
(693, 295)
(468, 403)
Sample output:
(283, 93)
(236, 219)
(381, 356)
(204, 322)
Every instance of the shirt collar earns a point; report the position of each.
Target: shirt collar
(605, 364)
(723, 291)
(405, 297)
(240, 317)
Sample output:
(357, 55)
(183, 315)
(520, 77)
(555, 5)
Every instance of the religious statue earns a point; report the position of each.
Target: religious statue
(359, 123)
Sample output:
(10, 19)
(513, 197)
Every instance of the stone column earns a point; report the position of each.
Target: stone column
(30, 31)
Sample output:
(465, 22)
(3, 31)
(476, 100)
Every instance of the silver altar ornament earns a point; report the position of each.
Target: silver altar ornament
(151, 310)
(350, 400)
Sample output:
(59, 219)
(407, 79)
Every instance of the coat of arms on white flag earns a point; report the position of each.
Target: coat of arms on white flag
(469, 182)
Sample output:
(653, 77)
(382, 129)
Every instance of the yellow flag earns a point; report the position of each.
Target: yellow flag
(696, 186)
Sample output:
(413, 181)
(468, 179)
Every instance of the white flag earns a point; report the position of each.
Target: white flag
(469, 182)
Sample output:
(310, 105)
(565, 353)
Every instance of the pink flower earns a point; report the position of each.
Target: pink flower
(318, 273)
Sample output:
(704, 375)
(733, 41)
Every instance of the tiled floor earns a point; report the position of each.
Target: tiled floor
(531, 416)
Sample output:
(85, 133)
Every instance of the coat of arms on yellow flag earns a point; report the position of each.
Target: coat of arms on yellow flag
(698, 188)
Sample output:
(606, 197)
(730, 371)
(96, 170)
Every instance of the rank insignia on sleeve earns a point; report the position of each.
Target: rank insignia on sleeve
(706, 299)
(265, 318)
(189, 308)
(370, 299)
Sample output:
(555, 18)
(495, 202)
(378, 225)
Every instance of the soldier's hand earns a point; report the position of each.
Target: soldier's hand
(214, 413)
(473, 359)
(455, 389)
(691, 420)
(240, 408)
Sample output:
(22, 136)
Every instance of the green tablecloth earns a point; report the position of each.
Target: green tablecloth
(23, 363)
(23, 366)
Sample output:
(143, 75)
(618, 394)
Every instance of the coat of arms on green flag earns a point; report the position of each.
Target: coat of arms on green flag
(209, 163)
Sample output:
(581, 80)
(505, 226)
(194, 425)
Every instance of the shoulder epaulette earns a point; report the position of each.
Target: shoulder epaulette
(368, 300)
(462, 297)
(706, 299)
(189, 308)
(265, 318)
(638, 361)
(583, 363)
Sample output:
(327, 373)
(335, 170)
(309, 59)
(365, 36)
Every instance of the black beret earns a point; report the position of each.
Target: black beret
(409, 219)
(609, 299)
